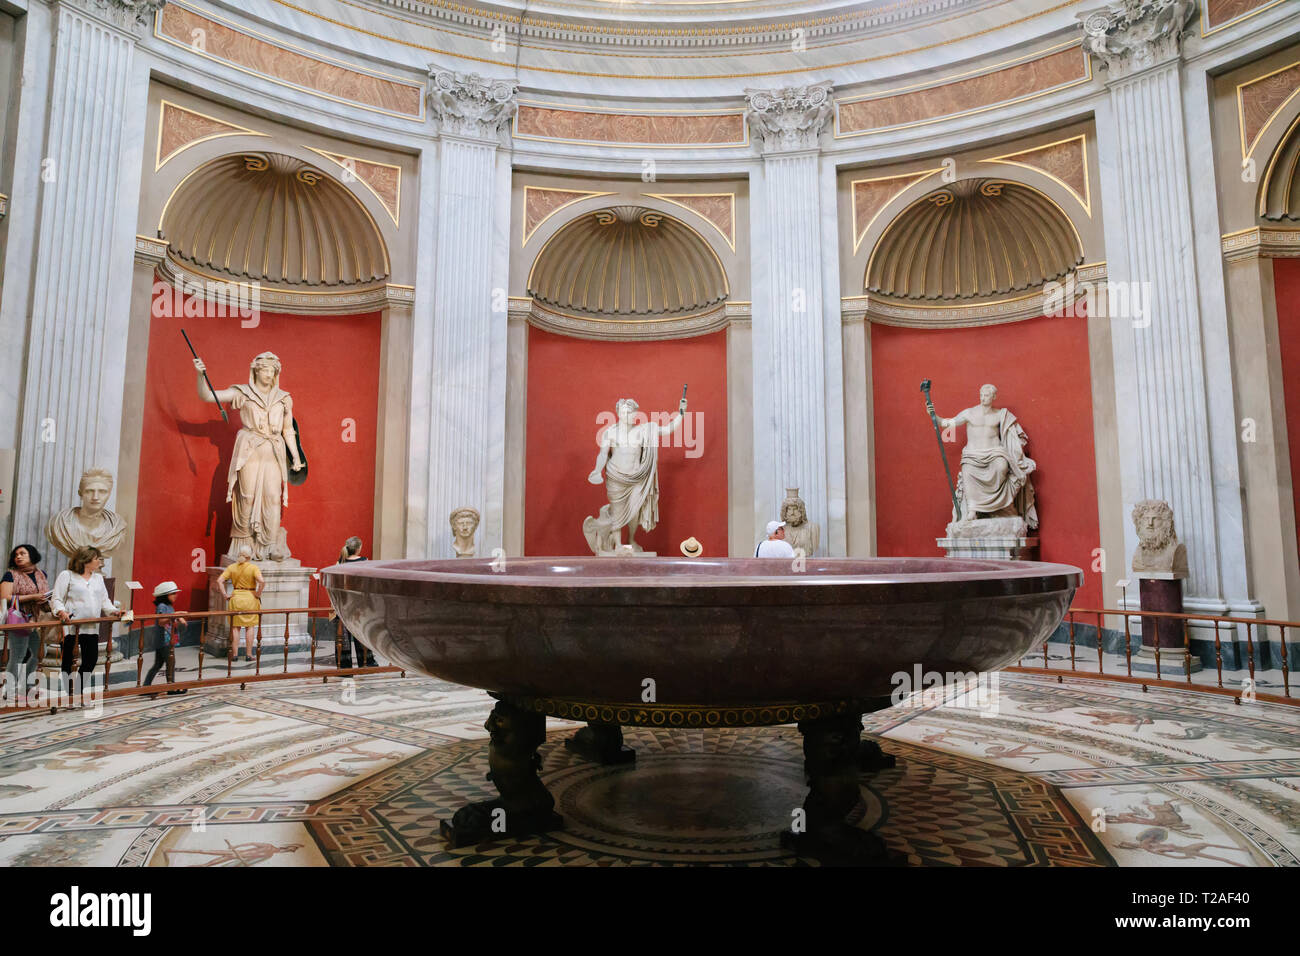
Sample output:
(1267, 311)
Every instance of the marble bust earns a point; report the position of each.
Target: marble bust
(91, 523)
(464, 523)
(1159, 551)
(629, 458)
(800, 533)
(994, 478)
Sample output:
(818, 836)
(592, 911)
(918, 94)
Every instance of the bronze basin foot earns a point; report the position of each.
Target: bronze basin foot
(602, 744)
(525, 805)
(832, 754)
(871, 758)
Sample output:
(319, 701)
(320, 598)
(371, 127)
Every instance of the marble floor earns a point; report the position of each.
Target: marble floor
(359, 774)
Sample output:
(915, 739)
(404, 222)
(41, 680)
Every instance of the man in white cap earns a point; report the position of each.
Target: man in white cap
(775, 546)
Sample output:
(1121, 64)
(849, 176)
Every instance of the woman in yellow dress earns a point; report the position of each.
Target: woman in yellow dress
(244, 594)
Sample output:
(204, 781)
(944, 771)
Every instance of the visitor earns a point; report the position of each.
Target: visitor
(168, 636)
(244, 594)
(25, 592)
(775, 546)
(365, 657)
(79, 593)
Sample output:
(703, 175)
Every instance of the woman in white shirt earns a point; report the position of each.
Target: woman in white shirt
(79, 592)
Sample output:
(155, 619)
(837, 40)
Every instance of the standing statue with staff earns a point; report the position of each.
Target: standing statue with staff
(267, 457)
(994, 477)
(629, 458)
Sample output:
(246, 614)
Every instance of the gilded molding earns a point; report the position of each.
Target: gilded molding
(383, 180)
(272, 299)
(1265, 97)
(869, 197)
(673, 327)
(471, 106)
(150, 251)
(1261, 242)
(885, 311)
(543, 202)
(790, 118)
(1132, 35)
(172, 137)
(1056, 161)
(723, 220)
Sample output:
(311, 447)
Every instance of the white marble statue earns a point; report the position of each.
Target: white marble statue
(629, 458)
(1159, 551)
(994, 479)
(257, 484)
(90, 524)
(464, 522)
(800, 533)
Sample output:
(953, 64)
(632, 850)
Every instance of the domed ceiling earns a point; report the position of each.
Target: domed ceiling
(627, 261)
(273, 218)
(977, 237)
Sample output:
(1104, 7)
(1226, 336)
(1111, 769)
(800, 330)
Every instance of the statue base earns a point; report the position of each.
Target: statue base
(1162, 591)
(288, 585)
(1001, 539)
(627, 551)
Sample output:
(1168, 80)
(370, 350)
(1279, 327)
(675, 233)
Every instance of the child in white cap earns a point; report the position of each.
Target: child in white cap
(169, 634)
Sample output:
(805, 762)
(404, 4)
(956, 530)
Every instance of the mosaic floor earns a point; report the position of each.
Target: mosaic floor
(1081, 773)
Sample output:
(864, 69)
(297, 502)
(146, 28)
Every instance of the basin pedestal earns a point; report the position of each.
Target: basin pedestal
(602, 744)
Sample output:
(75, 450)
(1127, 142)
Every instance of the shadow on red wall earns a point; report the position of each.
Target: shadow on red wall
(1041, 371)
(330, 367)
(1286, 287)
(572, 381)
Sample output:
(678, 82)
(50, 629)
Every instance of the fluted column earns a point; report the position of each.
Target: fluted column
(1161, 365)
(797, 379)
(81, 286)
(466, 422)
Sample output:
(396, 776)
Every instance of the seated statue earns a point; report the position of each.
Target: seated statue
(994, 479)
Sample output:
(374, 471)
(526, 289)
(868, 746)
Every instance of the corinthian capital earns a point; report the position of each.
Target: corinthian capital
(789, 118)
(466, 104)
(1132, 34)
(130, 16)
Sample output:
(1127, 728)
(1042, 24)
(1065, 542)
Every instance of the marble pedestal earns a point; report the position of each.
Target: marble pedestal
(1001, 539)
(1162, 591)
(288, 585)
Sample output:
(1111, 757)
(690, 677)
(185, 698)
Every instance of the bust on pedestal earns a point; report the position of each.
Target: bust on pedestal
(1160, 565)
(995, 509)
(89, 525)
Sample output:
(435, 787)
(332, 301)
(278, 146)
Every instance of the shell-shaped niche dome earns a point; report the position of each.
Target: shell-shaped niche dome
(1279, 193)
(628, 261)
(977, 237)
(272, 218)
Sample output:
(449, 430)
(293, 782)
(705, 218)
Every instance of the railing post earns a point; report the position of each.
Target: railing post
(1071, 641)
(1286, 673)
(1187, 650)
(203, 636)
(1218, 652)
(285, 669)
(257, 661)
(139, 660)
(1128, 644)
(1101, 665)
(1250, 651)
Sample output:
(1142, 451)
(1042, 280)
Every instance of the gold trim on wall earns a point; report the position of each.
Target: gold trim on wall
(1227, 23)
(579, 196)
(1241, 112)
(393, 213)
(1086, 199)
(667, 197)
(860, 234)
(945, 81)
(302, 51)
(611, 111)
(234, 130)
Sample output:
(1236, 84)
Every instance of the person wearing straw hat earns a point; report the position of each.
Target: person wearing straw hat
(169, 634)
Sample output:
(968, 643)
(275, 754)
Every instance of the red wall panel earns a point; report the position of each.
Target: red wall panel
(1286, 286)
(1041, 371)
(330, 367)
(570, 382)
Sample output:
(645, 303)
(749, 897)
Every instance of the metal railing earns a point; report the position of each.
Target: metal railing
(134, 638)
(1254, 629)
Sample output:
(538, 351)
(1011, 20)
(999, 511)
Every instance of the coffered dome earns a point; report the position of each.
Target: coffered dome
(628, 261)
(268, 217)
(977, 237)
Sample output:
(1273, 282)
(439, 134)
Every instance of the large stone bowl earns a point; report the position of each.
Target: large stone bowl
(722, 642)
(721, 631)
